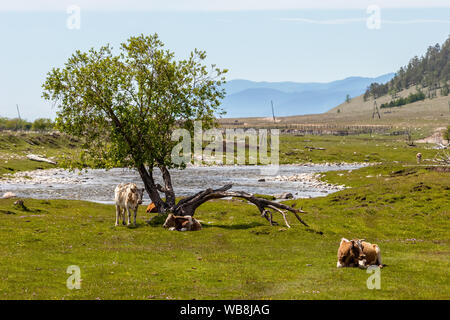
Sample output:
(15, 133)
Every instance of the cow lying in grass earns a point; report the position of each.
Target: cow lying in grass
(350, 253)
(151, 208)
(371, 253)
(181, 223)
(358, 253)
(128, 197)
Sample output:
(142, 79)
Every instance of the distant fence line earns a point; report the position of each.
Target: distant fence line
(318, 129)
(48, 131)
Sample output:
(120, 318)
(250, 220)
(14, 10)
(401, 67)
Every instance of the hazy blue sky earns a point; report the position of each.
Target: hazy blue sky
(297, 43)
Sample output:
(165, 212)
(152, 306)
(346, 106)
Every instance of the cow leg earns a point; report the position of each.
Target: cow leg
(123, 216)
(190, 224)
(135, 214)
(129, 216)
(117, 215)
(377, 249)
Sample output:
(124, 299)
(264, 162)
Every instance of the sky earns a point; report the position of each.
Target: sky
(285, 40)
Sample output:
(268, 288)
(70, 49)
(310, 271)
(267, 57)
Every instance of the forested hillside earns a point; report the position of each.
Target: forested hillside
(431, 71)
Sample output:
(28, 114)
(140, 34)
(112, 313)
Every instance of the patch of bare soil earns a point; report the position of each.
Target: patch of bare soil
(436, 137)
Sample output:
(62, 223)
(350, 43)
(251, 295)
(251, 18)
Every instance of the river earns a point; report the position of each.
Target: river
(98, 185)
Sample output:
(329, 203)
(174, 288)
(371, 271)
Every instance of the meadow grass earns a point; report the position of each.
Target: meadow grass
(15, 146)
(237, 255)
(354, 148)
(402, 207)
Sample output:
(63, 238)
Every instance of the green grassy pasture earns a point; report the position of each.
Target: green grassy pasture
(14, 147)
(237, 255)
(356, 148)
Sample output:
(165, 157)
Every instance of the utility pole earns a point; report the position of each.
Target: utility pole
(376, 110)
(273, 112)
(20, 120)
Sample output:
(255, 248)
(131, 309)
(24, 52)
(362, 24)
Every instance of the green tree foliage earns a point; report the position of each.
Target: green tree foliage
(375, 90)
(444, 89)
(14, 124)
(412, 97)
(431, 69)
(125, 106)
(42, 124)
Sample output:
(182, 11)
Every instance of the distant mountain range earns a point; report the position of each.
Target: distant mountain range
(252, 99)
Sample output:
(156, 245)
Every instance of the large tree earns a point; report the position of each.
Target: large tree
(126, 105)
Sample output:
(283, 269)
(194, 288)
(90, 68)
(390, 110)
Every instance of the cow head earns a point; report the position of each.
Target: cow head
(140, 195)
(350, 253)
(170, 221)
(358, 253)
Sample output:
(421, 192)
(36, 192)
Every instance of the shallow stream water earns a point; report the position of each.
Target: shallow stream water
(98, 185)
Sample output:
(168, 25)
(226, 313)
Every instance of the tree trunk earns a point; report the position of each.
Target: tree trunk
(150, 187)
(168, 189)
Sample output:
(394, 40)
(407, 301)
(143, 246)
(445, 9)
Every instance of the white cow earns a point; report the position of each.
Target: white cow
(128, 197)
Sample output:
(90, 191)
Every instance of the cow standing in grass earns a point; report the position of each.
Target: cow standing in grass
(128, 197)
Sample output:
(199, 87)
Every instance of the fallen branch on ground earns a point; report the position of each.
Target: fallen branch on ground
(442, 157)
(187, 206)
(313, 148)
(34, 157)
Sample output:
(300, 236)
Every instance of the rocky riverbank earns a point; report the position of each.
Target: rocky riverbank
(301, 164)
(310, 180)
(301, 181)
(48, 176)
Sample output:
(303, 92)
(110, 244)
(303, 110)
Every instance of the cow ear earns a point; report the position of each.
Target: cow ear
(143, 189)
(353, 243)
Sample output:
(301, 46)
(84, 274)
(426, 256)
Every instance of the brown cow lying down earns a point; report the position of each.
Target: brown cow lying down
(182, 223)
(349, 253)
(151, 208)
(358, 253)
(372, 254)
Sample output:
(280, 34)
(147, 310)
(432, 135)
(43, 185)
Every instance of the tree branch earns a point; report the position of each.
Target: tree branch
(188, 205)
